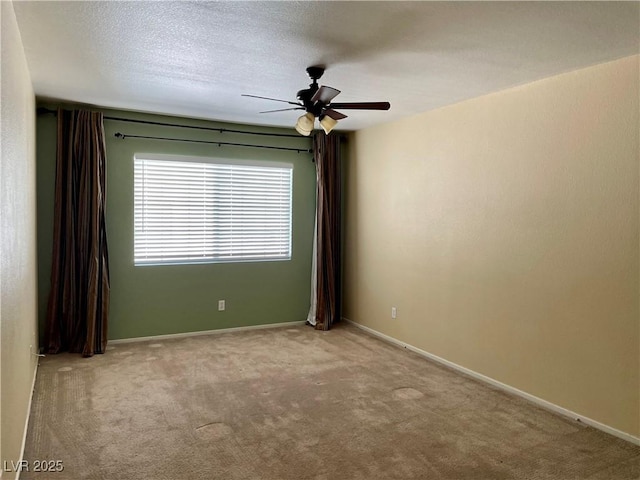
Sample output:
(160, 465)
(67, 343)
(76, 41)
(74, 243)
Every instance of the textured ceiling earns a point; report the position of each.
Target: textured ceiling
(195, 59)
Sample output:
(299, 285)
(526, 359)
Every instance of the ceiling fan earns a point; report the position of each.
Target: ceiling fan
(317, 102)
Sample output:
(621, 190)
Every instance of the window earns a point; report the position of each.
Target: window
(197, 210)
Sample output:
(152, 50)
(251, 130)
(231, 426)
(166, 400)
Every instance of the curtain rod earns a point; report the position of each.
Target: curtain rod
(298, 150)
(43, 110)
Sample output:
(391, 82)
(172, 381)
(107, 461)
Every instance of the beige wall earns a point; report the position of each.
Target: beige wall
(505, 231)
(18, 241)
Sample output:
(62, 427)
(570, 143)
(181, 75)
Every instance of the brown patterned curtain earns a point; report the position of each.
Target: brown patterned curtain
(328, 221)
(79, 297)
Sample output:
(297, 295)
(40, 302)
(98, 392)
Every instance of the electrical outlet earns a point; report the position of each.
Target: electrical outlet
(221, 305)
(394, 312)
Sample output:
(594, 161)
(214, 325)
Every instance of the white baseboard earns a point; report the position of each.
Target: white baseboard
(205, 332)
(503, 386)
(26, 422)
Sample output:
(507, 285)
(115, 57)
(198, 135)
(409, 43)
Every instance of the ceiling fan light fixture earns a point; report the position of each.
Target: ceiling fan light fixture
(327, 123)
(306, 133)
(304, 125)
(306, 121)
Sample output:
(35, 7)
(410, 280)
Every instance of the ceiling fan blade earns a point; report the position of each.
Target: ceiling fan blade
(333, 114)
(325, 95)
(273, 99)
(362, 106)
(282, 110)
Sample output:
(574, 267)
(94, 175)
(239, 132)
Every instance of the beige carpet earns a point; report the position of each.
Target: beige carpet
(295, 403)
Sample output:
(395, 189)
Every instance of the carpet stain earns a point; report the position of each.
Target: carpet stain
(213, 430)
(407, 393)
(156, 345)
(65, 369)
(125, 353)
(149, 359)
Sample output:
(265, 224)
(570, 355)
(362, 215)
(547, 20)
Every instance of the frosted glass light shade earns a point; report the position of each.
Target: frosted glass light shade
(306, 133)
(304, 125)
(327, 123)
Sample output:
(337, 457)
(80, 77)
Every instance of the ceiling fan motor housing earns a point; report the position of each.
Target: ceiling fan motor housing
(305, 95)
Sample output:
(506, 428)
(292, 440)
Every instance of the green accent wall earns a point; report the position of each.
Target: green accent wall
(157, 300)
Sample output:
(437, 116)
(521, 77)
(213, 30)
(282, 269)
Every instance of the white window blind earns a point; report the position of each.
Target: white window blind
(189, 211)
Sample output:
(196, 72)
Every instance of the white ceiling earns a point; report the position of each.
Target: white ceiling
(195, 59)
